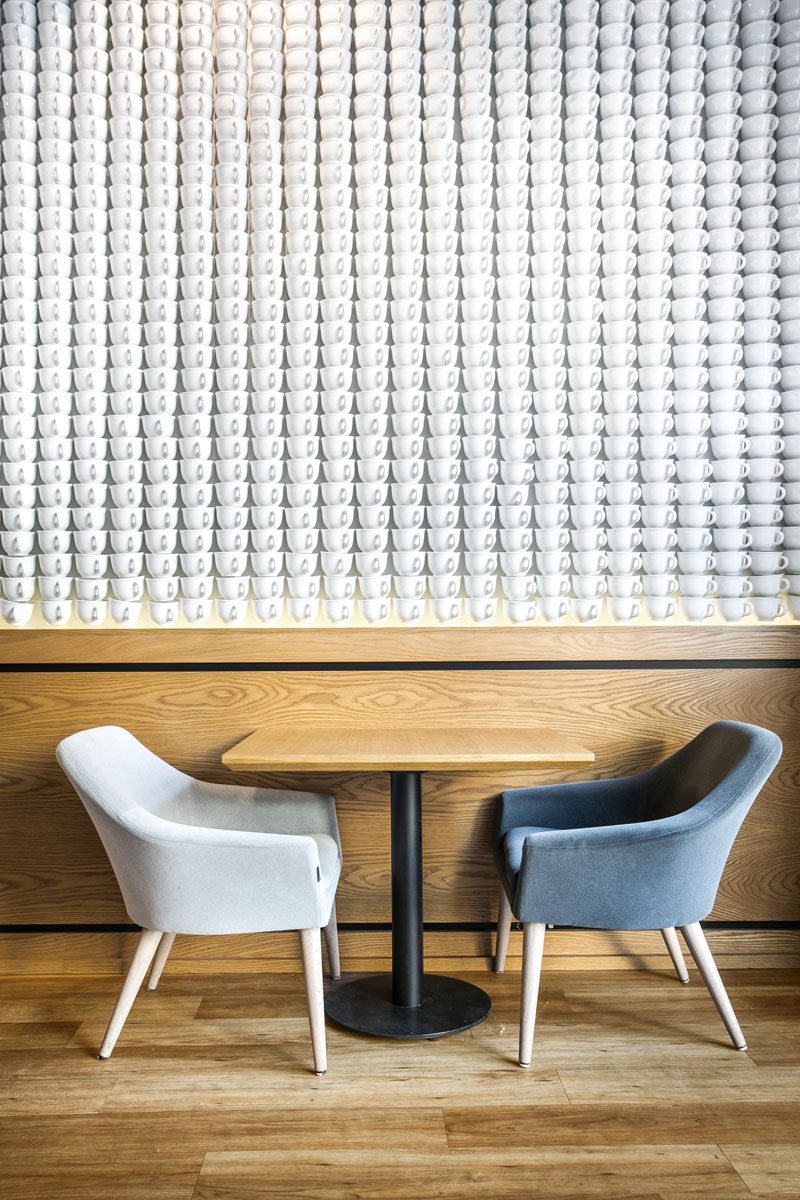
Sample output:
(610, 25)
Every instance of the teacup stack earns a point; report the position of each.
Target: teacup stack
(301, 194)
(159, 317)
(478, 201)
(689, 311)
(372, 292)
(582, 450)
(513, 245)
(787, 178)
(529, 564)
(54, 332)
(407, 373)
(20, 225)
(195, 366)
(656, 156)
(231, 310)
(761, 307)
(441, 308)
(126, 271)
(267, 311)
(90, 312)
(728, 443)
(336, 305)
(624, 68)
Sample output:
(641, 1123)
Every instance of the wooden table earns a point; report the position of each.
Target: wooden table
(407, 1003)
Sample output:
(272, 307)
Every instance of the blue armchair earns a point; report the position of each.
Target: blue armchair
(643, 852)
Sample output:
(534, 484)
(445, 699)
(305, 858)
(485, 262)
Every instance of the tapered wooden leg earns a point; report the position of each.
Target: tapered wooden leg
(311, 946)
(148, 941)
(532, 949)
(673, 945)
(503, 928)
(161, 956)
(332, 943)
(696, 941)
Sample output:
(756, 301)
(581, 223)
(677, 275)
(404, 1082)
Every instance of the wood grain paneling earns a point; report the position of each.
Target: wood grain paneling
(564, 643)
(446, 951)
(55, 871)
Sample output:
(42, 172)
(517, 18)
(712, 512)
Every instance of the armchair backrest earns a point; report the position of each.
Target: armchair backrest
(114, 773)
(717, 775)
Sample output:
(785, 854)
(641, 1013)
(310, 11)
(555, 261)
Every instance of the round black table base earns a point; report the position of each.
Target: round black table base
(448, 1006)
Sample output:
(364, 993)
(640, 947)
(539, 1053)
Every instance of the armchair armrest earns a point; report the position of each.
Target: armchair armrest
(645, 875)
(194, 879)
(572, 805)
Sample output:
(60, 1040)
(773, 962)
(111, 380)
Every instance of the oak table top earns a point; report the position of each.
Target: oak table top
(318, 747)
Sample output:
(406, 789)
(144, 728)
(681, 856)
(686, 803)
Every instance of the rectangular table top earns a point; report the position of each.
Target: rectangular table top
(401, 747)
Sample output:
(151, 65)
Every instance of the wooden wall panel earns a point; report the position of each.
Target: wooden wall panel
(404, 644)
(54, 869)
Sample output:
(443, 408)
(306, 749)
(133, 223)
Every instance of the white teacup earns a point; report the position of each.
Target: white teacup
(733, 608)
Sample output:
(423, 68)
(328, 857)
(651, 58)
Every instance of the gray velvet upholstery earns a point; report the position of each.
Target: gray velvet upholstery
(204, 858)
(641, 852)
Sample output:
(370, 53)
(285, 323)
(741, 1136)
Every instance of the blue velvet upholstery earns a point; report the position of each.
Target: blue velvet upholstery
(641, 852)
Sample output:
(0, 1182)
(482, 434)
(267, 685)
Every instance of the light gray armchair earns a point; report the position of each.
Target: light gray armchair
(203, 858)
(642, 852)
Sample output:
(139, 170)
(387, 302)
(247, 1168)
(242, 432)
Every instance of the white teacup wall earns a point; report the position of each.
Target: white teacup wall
(407, 373)
(405, 306)
(787, 178)
(764, 491)
(267, 313)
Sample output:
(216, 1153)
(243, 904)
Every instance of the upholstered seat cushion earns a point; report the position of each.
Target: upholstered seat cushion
(514, 843)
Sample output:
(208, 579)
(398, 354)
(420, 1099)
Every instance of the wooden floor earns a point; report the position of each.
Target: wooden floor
(634, 1092)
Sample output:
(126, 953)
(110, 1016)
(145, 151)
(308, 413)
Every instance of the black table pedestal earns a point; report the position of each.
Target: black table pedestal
(407, 1004)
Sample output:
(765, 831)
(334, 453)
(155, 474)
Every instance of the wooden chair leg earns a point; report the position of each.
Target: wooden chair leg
(673, 945)
(532, 949)
(503, 928)
(148, 942)
(332, 944)
(696, 941)
(311, 946)
(161, 956)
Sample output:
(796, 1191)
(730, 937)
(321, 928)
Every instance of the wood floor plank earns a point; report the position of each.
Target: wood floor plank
(197, 1132)
(634, 1094)
(678, 1084)
(767, 1169)
(506, 1175)
(620, 1124)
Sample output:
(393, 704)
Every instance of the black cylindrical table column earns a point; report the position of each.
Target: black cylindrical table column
(406, 888)
(407, 1003)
